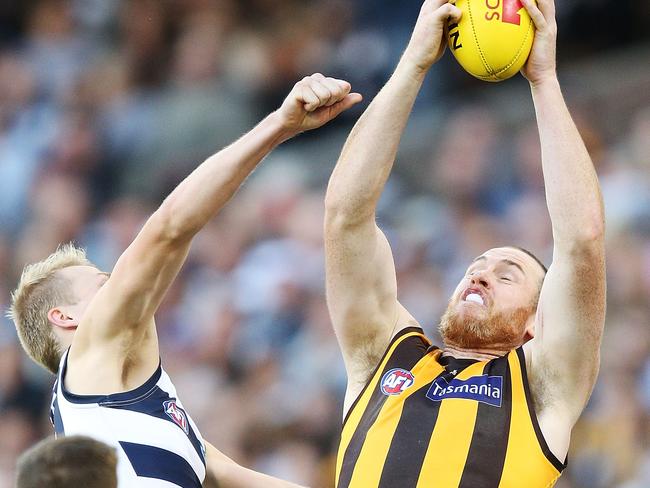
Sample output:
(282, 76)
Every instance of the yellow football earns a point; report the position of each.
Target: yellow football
(493, 39)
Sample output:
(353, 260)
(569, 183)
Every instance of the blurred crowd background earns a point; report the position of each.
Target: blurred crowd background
(105, 105)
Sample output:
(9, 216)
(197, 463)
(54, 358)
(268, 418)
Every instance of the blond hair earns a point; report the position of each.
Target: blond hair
(40, 289)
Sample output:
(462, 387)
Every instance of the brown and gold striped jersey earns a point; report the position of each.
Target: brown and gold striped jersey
(430, 421)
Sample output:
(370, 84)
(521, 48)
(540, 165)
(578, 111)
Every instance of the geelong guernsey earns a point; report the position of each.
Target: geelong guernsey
(427, 421)
(158, 444)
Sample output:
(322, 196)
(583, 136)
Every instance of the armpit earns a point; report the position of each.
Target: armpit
(544, 385)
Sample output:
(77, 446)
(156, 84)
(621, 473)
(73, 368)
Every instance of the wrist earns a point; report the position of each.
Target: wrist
(280, 127)
(412, 67)
(549, 81)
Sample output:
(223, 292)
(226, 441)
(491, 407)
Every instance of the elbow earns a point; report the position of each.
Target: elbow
(170, 225)
(586, 236)
(593, 230)
(590, 238)
(587, 248)
(345, 208)
(335, 220)
(335, 210)
(341, 215)
(336, 204)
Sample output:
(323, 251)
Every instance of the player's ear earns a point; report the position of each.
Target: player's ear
(528, 335)
(60, 318)
(529, 331)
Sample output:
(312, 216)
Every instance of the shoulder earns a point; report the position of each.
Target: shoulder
(405, 349)
(369, 353)
(408, 344)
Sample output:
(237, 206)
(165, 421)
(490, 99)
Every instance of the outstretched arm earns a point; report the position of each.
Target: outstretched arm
(361, 283)
(120, 318)
(223, 472)
(571, 310)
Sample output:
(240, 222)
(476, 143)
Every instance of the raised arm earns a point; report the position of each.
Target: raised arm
(571, 310)
(119, 320)
(361, 283)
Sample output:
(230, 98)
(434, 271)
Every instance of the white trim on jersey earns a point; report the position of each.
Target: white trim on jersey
(156, 448)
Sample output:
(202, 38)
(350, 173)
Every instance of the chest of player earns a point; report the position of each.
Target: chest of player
(446, 396)
(424, 420)
(154, 437)
(439, 380)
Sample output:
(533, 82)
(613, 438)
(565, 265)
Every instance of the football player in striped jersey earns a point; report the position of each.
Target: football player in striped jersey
(495, 405)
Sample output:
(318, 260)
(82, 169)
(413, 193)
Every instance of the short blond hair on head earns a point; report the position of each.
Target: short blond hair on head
(40, 290)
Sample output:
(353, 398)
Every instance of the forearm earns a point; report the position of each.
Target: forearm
(144, 272)
(207, 189)
(226, 473)
(368, 155)
(235, 476)
(572, 190)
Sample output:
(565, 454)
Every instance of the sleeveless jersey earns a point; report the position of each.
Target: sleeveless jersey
(427, 421)
(158, 444)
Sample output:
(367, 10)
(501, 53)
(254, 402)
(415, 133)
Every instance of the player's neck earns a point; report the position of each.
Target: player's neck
(477, 354)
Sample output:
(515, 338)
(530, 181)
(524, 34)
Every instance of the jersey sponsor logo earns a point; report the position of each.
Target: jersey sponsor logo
(485, 389)
(396, 381)
(177, 414)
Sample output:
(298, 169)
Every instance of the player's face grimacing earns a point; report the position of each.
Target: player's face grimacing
(494, 305)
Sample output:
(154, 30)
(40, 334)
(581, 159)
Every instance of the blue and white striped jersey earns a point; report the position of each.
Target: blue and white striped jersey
(158, 444)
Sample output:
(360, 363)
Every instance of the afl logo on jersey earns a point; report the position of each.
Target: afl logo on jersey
(177, 414)
(396, 381)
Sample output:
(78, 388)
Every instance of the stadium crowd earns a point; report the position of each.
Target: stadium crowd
(106, 105)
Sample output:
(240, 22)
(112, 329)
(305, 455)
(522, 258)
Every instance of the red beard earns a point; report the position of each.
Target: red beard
(504, 331)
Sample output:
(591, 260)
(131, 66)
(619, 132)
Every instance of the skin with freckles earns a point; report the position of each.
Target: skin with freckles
(504, 300)
(507, 281)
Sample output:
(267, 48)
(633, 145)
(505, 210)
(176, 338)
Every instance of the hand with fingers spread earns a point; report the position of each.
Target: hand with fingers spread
(314, 101)
(541, 62)
(428, 42)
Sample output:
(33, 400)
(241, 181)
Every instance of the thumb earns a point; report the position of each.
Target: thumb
(348, 102)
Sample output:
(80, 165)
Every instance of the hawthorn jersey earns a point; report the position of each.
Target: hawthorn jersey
(427, 421)
(157, 443)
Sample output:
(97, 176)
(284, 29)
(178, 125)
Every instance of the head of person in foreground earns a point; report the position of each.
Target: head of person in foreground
(66, 462)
